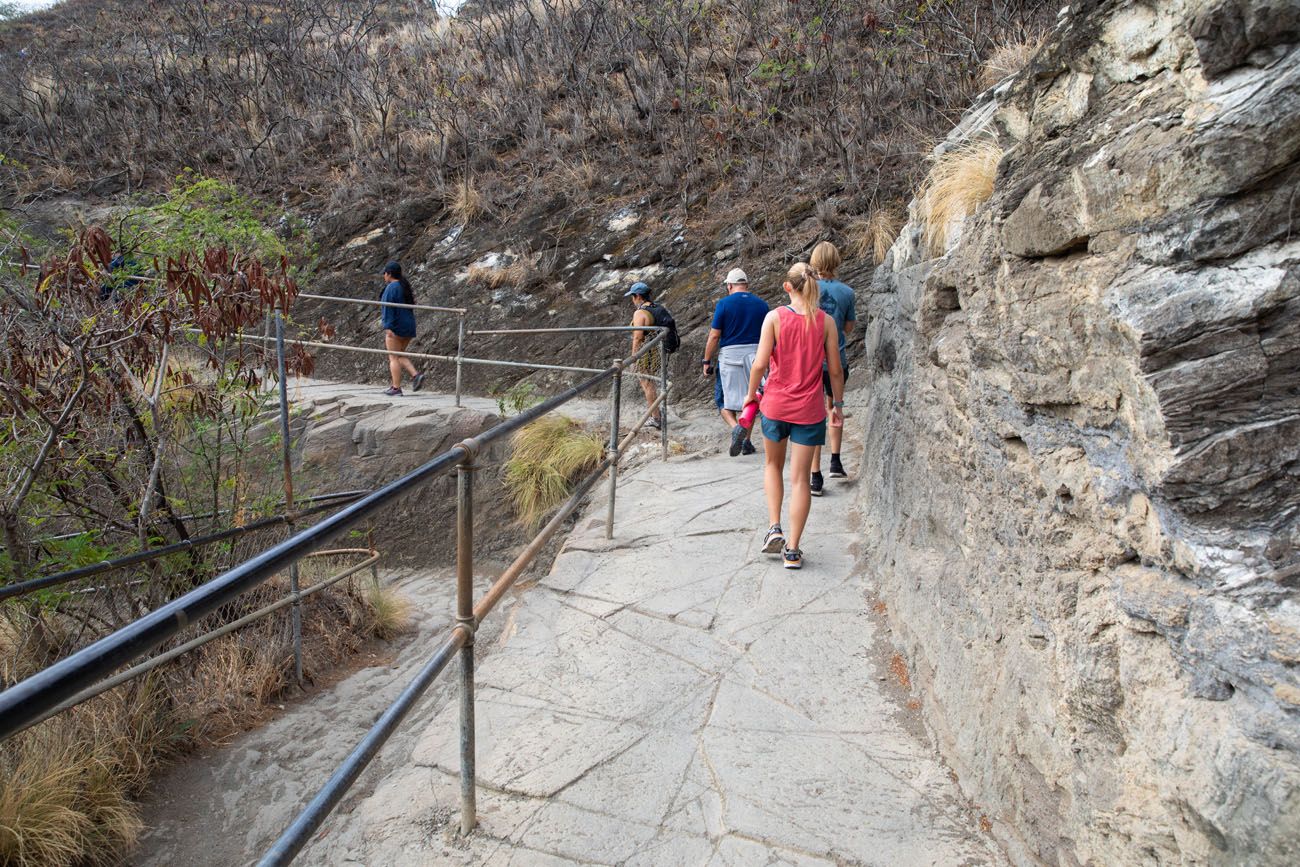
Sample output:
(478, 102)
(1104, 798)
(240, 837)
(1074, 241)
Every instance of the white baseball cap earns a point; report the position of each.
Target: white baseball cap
(735, 275)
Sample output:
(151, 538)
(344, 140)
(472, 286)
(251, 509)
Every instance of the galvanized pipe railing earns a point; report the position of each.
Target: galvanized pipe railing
(10, 591)
(81, 674)
(29, 699)
(468, 616)
(294, 598)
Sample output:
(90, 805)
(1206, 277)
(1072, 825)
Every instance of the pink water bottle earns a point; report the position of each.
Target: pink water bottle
(747, 415)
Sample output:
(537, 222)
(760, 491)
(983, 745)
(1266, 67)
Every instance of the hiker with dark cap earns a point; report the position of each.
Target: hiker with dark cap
(734, 335)
(649, 313)
(399, 327)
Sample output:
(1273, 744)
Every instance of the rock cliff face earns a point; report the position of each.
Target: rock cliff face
(1084, 442)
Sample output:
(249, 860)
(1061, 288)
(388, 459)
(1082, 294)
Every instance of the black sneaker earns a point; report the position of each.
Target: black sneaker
(774, 541)
(418, 382)
(816, 486)
(837, 468)
(738, 441)
(748, 448)
(393, 391)
(793, 558)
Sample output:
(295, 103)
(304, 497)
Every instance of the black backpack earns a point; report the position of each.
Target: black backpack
(664, 319)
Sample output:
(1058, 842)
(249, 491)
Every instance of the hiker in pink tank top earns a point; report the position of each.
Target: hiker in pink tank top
(797, 339)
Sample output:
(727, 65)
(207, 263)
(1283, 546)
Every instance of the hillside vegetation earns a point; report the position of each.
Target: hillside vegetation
(700, 99)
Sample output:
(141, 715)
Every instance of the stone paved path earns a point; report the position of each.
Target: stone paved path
(676, 697)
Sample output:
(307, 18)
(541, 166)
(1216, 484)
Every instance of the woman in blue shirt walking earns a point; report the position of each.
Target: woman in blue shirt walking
(399, 327)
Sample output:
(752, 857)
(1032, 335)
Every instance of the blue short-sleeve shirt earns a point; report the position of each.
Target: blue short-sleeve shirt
(739, 316)
(837, 301)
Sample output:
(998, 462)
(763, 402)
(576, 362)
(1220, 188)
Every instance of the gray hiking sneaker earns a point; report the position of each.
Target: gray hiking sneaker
(738, 434)
(774, 541)
(793, 558)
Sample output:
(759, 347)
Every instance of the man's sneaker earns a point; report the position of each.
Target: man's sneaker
(393, 392)
(654, 423)
(816, 485)
(793, 558)
(747, 448)
(774, 541)
(738, 441)
(837, 468)
(418, 382)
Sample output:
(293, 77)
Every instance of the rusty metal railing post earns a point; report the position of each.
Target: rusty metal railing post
(286, 459)
(374, 567)
(663, 389)
(615, 399)
(460, 354)
(465, 620)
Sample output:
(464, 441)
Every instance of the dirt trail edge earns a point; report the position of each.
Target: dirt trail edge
(673, 696)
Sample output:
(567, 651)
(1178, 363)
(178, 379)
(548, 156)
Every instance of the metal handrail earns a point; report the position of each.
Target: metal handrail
(27, 700)
(366, 301)
(80, 675)
(461, 638)
(292, 598)
(22, 588)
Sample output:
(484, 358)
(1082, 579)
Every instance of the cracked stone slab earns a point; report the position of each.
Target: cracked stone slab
(673, 696)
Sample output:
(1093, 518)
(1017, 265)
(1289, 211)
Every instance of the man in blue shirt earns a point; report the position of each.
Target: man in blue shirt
(733, 336)
(837, 301)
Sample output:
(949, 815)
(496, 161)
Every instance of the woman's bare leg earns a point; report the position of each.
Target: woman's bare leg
(773, 485)
(397, 363)
(801, 459)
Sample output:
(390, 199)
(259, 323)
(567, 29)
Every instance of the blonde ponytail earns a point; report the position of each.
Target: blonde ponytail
(803, 279)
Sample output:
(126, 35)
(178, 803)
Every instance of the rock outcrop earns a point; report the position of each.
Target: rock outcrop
(352, 438)
(1084, 443)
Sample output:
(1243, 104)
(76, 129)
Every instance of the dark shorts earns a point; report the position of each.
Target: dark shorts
(803, 434)
(717, 390)
(826, 380)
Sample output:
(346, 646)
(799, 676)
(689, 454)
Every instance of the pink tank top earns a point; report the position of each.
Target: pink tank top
(794, 381)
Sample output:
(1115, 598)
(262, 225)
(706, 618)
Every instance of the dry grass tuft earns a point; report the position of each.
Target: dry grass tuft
(549, 455)
(69, 782)
(874, 235)
(1008, 59)
(488, 276)
(467, 203)
(388, 613)
(959, 181)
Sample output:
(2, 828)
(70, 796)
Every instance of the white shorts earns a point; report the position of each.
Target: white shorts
(734, 364)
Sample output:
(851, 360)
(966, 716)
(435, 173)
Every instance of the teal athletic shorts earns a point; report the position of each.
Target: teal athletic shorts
(803, 434)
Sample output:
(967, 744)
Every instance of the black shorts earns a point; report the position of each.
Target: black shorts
(826, 380)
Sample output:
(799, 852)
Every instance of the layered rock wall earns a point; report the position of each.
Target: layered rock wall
(1084, 442)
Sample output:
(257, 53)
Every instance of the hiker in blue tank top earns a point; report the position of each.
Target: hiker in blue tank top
(836, 299)
(734, 335)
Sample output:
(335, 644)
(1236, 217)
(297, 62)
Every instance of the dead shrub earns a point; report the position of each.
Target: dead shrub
(959, 181)
(467, 203)
(1008, 59)
(874, 235)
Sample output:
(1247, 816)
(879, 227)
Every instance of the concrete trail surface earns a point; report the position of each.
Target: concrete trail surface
(675, 697)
